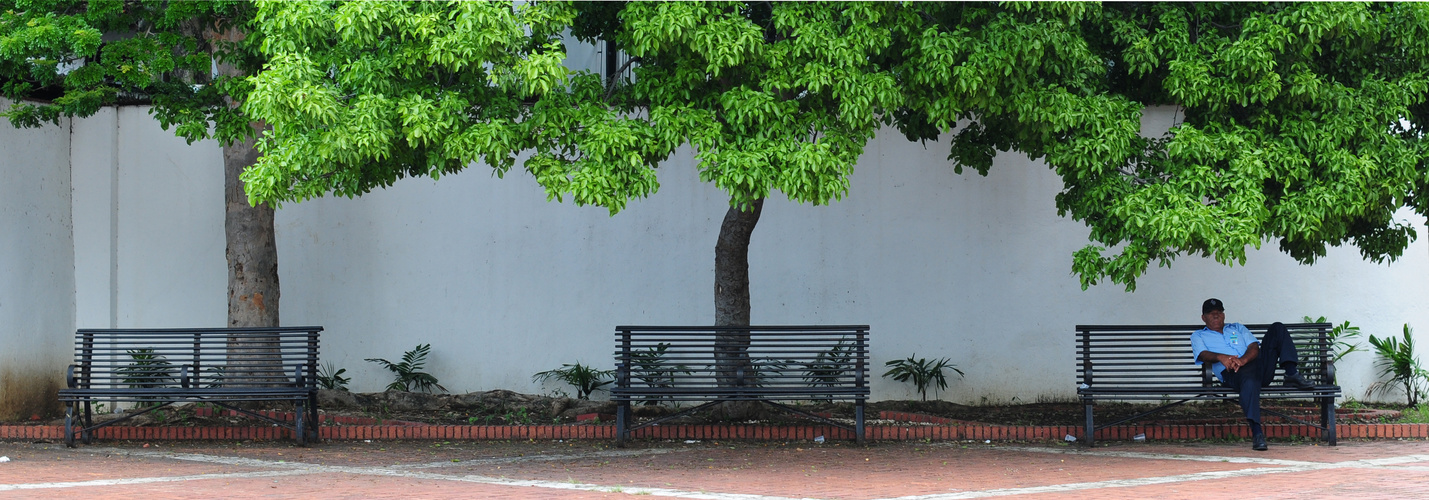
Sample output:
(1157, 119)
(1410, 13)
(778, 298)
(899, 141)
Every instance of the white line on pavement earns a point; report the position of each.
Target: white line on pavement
(147, 480)
(543, 458)
(1273, 466)
(1160, 456)
(308, 468)
(1116, 483)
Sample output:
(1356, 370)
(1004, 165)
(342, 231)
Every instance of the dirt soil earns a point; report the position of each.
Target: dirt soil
(510, 408)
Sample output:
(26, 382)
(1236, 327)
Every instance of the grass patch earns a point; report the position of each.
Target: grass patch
(1415, 415)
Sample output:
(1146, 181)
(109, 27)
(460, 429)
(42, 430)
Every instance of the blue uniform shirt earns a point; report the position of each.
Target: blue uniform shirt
(1234, 339)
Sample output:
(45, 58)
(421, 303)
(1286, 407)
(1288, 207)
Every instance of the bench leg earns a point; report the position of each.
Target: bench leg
(858, 422)
(300, 423)
(1327, 419)
(1091, 427)
(314, 420)
(622, 423)
(86, 435)
(69, 424)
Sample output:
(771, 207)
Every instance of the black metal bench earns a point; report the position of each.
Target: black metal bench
(158, 367)
(1153, 362)
(717, 364)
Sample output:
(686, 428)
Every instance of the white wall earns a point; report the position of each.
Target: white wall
(504, 284)
(37, 265)
(148, 212)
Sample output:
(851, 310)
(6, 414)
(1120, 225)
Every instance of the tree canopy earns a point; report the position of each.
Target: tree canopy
(1301, 123)
(63, 58)
(772, 96)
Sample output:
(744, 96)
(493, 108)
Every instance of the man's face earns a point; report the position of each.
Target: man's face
(1215, 320)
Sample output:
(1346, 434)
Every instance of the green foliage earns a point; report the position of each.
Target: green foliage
(649, 367)
(584, 378)
(1340, 336)
(409, 372)
(829, 366)
(330, 379)
(1301, 123)
(1416, 414)
(1399, 367)
(780, 96)
(922, 372)
(147, 370)
(74, 57)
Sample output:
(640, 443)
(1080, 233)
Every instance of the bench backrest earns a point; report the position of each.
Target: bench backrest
(1110, 356)
(781, 362)
(209, 357)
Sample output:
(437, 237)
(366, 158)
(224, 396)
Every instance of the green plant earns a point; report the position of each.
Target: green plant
(650, 369)
(409, 372)
(828, 366)
(329, 379)
(215, 376)
(1398, 364)
(584, 378)
(519, 417)
(1339, 338)
(921, 372)
(147, 370)
(1416, 414)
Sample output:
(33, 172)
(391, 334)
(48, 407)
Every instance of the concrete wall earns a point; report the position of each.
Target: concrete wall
(37, 305)
(504, 284)
(148, 211)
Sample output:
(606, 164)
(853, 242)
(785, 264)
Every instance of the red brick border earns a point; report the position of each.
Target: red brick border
(742, 432)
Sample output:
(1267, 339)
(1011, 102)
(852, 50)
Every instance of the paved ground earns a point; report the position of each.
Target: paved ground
(714, 470)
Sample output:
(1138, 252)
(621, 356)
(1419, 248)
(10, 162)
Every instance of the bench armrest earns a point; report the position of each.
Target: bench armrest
(1330, 371)
(298, 379)
(185, 380)
(69, 377)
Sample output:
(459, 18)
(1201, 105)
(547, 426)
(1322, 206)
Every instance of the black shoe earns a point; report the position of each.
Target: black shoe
(1257, 442)
(1297, 381)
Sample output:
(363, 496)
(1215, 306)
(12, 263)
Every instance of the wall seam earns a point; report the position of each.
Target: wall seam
(114, 223)
(74, 251)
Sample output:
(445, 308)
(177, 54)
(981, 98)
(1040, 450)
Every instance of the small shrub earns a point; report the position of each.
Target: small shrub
(829, 366)
(330, 379)
(408, 372)
(1416, 414)
(147, 370)
(584, 378)
(921, 372)
(650, 369)
(1340, 336)
(1398, 365)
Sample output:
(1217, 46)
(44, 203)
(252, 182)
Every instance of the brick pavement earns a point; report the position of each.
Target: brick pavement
(712, 470)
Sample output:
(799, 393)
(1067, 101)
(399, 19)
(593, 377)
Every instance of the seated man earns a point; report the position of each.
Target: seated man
(1243, 363)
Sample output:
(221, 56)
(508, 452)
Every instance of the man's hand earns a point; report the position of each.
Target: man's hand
(1232, 363)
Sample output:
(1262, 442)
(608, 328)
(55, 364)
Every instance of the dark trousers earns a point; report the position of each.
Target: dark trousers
(1276, 349)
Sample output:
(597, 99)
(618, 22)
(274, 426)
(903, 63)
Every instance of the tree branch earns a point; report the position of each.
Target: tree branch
(610, 86)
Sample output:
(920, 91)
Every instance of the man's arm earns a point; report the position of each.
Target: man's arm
(1232, 363)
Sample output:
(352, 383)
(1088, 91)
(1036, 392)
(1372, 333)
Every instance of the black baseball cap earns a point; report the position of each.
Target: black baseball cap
(1212, 305)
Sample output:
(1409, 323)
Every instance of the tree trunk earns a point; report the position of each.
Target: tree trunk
(732, 265)
(252, 255)
(252, 252)
(732, 364)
